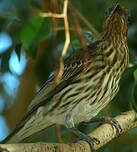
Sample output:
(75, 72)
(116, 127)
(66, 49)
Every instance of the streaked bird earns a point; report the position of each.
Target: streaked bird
(87, 85)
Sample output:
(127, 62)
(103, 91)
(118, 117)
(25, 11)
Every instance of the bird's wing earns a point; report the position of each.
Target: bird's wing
(73, 65)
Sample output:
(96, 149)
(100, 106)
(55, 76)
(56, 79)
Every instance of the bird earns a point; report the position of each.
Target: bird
(86, 86)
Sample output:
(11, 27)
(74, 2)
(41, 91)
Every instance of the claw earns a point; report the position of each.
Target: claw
(82, 136)
(116, 124)
(97, 141)
(88, 139)
(111, 121)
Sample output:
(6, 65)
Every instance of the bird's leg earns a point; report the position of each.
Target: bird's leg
(109, 120)
(81, 136)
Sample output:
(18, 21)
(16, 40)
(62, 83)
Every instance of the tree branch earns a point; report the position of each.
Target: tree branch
(104, 133)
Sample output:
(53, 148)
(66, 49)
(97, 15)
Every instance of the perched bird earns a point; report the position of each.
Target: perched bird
(86, 86)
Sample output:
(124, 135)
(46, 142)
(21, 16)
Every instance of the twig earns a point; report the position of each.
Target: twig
(50, 14)
(67, 35)
(104, 133)
(86, 22)
(67, 42)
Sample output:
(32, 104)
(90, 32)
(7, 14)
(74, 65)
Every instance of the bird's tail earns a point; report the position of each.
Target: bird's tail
(31, 128)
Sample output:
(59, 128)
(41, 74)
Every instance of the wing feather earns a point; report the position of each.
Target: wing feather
(73, 65)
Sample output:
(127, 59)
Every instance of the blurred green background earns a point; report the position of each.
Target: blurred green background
(30, 47)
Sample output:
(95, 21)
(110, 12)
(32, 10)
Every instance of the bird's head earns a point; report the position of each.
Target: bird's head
(116, 22)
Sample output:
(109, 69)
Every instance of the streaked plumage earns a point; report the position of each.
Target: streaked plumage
(87, 85)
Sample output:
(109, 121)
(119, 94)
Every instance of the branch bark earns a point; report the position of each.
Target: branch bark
(104, 133)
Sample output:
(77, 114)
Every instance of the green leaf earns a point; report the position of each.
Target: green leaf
(135, 74)
(35, 31)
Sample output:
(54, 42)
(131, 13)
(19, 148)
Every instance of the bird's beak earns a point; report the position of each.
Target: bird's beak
(116, 9)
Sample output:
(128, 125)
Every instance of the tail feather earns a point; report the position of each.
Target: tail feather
(29, 130)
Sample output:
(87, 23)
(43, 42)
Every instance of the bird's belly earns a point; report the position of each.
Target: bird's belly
(83, 101)
(87, 110)
(97, 99)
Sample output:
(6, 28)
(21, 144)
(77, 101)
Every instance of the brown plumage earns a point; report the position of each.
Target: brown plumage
(86, 86)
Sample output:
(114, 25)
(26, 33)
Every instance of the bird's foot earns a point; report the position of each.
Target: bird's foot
(82, 136)
(113, 122)
(79, 134)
